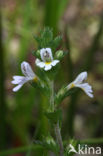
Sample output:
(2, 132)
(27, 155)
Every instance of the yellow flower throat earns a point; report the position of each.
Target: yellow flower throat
(47, 63)
(72, 85)
(35, 79)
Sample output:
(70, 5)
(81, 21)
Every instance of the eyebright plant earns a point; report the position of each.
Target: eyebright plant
(47, 62)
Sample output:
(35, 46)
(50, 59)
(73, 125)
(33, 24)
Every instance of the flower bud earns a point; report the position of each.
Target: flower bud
(36, 53)
(59, 54)
(50, 141)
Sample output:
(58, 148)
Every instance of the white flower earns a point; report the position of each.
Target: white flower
(28, 75)
(47, 59)
(79, 82)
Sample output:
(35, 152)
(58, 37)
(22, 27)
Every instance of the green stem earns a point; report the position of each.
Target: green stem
(92, 141)
(94, 47)
(20, 150)
(3, 140)
(70, 69)
(59, 138)
(69, 60)
(56, 126)
(51, 14)
(71, 114)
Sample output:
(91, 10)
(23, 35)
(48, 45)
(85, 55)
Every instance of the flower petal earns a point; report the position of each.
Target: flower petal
(43, 50)
(78, 82)
(86, 88)
(47, 67)
(50, 52)
(40, 63)
(54, 62)
(80, 78)
(17, 79)
(89, 94)
(27, 70)
(20, 80)
(37, 61)
(15, 89)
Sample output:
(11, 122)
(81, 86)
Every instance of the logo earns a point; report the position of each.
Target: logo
(71, 149)
(84, 149)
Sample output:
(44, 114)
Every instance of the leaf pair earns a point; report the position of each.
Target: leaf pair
(55, 116)
(48, 143)
(46, 39)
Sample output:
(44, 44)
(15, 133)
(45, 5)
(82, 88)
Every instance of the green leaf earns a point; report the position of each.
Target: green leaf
(48, 143)
(37, 38)
(41, 86)
(46, 39)
(36, 53)
(63, 93)
(54, 116)
(47, 34)
(56, 42)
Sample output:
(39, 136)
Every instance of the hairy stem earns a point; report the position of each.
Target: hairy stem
(59, 138)
(56, 126)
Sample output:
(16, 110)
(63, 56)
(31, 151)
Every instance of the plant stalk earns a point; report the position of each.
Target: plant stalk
(59, 138)
(56, 126)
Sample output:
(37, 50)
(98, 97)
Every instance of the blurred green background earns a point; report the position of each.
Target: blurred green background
(80, 22)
